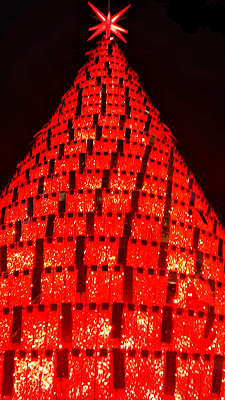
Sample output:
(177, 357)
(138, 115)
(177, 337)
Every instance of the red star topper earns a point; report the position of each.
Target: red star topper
(108, 23)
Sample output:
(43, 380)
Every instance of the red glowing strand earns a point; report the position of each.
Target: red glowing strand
(101, 16)
(116, 27)
(108, 23)
(118, 34)
(96, 27)
(119, 14)
(98, 32)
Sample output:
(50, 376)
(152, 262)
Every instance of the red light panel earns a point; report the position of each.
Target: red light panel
(112, 270)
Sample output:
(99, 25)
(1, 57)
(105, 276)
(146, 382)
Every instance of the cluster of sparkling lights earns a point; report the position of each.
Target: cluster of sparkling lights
(112, 271)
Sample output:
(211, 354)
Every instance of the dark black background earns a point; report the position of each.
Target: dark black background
(178, 52)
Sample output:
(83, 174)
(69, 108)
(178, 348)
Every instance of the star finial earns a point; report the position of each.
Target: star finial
(108, 23)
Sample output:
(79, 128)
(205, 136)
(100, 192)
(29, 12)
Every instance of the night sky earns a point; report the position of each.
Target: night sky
(177, 52)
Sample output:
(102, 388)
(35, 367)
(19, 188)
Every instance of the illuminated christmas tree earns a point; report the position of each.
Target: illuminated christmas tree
(112, 268)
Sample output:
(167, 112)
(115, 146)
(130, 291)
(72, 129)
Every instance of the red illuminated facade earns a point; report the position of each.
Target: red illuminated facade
(112, 270)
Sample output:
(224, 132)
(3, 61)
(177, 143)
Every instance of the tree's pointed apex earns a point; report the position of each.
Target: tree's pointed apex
(108, 23)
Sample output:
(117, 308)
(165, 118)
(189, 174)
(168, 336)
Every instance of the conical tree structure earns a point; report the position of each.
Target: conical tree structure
(112, 271)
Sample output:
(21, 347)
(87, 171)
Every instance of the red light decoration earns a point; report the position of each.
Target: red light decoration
(108, 24)
(112, 269)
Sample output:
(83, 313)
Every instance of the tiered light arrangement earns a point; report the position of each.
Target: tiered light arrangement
(112, 270)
